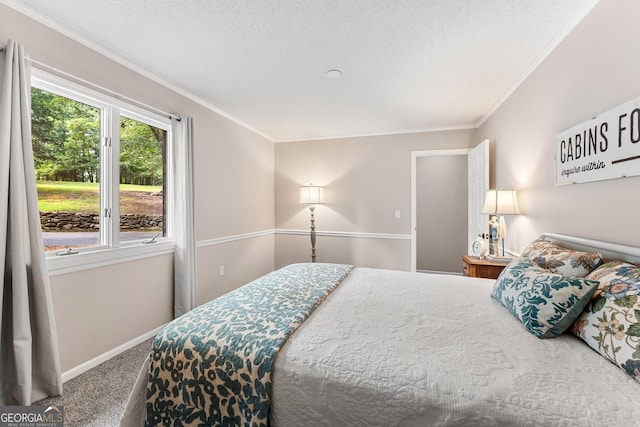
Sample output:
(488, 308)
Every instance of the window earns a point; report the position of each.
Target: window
(142, 178)
(66, 151)
(102, 170)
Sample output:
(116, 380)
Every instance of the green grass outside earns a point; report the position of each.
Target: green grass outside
(62, 196)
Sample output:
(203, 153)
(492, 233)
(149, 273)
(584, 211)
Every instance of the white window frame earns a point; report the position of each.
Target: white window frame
(111, 250)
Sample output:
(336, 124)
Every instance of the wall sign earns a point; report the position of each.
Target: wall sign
(605, 147)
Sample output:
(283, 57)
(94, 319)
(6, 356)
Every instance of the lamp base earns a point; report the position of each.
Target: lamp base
(313, 234)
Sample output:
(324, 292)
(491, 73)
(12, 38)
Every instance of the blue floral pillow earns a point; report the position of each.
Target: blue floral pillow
(561, 260)
(611, 323)
(546, 303)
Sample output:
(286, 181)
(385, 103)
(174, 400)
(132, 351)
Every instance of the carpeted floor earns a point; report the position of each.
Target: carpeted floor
(98, 397)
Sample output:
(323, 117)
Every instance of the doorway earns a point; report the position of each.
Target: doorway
(441, 220)
(439, 212)
(477, 175)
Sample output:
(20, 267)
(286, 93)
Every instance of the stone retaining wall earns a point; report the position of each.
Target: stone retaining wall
(78, 221)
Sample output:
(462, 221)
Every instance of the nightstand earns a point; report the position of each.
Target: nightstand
(476, 267)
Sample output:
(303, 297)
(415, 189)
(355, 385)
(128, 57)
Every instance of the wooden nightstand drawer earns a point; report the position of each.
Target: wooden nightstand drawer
(476, 267)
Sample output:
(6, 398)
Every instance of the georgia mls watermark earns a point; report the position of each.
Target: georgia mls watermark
(31, 416)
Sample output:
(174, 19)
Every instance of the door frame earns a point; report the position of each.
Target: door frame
(414, 196)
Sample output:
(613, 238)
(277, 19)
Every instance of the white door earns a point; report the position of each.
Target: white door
(478, 175)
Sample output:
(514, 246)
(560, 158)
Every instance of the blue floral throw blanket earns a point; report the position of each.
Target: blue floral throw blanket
(212, 366)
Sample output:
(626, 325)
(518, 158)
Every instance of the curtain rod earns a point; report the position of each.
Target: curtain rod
(99, 88)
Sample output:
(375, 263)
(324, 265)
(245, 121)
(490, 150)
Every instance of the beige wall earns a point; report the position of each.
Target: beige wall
(367, 179)
(100, 309)
(241, 260)
(594, 69)
(441, 200)
(360, 251)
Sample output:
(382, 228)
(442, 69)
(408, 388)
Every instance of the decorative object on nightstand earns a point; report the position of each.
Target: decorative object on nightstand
(312, 195)
(499, 202)
(475, 267)
(479, 247)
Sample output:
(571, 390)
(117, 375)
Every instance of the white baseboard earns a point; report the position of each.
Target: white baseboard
(84, 367)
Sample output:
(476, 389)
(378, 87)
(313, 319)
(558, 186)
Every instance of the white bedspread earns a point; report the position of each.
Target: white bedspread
(393, 348)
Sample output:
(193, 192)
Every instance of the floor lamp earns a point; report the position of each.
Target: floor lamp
(312, 195)
(500, 202)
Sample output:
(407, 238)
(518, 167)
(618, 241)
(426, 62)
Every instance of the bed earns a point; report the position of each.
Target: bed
(386, 348)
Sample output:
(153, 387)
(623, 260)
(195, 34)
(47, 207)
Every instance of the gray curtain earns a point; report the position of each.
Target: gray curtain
(29, 360)
(185, 252)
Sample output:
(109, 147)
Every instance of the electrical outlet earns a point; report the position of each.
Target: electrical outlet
(397, 214)
(221, 270)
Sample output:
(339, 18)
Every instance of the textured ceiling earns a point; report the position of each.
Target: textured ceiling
(408, 65)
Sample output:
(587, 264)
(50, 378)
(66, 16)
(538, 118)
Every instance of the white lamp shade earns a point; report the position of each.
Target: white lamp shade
(501, 202)
(311, 195)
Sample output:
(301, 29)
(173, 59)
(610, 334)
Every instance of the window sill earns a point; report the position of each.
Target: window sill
(57, 265)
